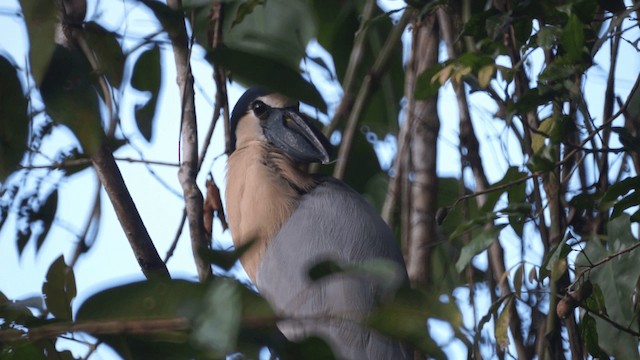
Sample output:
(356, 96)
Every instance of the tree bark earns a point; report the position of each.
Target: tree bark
(200, 241)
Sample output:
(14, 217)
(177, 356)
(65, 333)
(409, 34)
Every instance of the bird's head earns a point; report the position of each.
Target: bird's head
(261, 115)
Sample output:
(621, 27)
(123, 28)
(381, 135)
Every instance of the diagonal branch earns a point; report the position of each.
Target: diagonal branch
(73, 12)
(369, 85)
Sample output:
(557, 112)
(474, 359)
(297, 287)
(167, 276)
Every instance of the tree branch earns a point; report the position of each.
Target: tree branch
(369, 84)
(189, 142)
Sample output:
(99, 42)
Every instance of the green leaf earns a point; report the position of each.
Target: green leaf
(40, 18)
(428, 84)
(405, 318)
(589, 334)
(279, 30)
(617, 278)
(23, 350)
(595, 302)
(14, 121)
(251, 69)
(217, 325)
(162, 299)
(107, 50)
(147, 76)
(71, 99)
(46, 213)
(573, 39)
(59, 290)
(513, 174)
(492, 310)
(478, 244)
(502, 325)
(246, 8)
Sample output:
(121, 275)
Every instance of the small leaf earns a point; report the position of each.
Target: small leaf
(485, 75)
(245, 9)
(147, 76)
(46, 213)
(589, 334)
(502, 325)
(478, 244)
(517, 280)
(573, 39)
(59, 290)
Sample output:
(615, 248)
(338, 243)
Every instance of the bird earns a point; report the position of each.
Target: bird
(293, 220)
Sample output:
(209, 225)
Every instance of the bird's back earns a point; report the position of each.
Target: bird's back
(332, 222)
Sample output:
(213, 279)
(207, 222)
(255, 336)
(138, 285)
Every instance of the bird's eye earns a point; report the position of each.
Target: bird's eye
(259, 108)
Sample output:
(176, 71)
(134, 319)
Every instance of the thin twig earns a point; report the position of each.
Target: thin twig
(81, 162)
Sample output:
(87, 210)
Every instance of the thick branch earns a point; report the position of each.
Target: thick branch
(128, 216)
(425, 125)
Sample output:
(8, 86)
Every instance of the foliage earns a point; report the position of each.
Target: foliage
(550, 242)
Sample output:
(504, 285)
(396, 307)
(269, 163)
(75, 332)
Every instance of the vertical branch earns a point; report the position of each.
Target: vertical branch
(423, 117)
(200, 242)
(469, 141)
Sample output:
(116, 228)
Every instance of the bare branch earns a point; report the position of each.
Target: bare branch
(189, 140)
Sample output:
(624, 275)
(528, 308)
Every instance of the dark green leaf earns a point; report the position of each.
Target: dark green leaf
(512, 175)
(107, 50)
(617, 278)
(23, 350)
(618, 189)
(279, 30)
(59, 289)
(71, 99)
(405, 318)
(147, 76)
(589, 334)
(573, 39)
(46, 213)
(40, 18)
(630, 142)
(595, 302)
(252, 69)
(427, 84)
(14, 121)
(478, 244)
(245, 9)
(217, 324)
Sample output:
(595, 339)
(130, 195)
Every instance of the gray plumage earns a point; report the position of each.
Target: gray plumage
(332, 222)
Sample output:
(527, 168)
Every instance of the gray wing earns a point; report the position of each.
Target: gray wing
(332, 222)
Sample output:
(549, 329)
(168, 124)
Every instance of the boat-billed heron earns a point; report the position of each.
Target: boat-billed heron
(295, 220)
